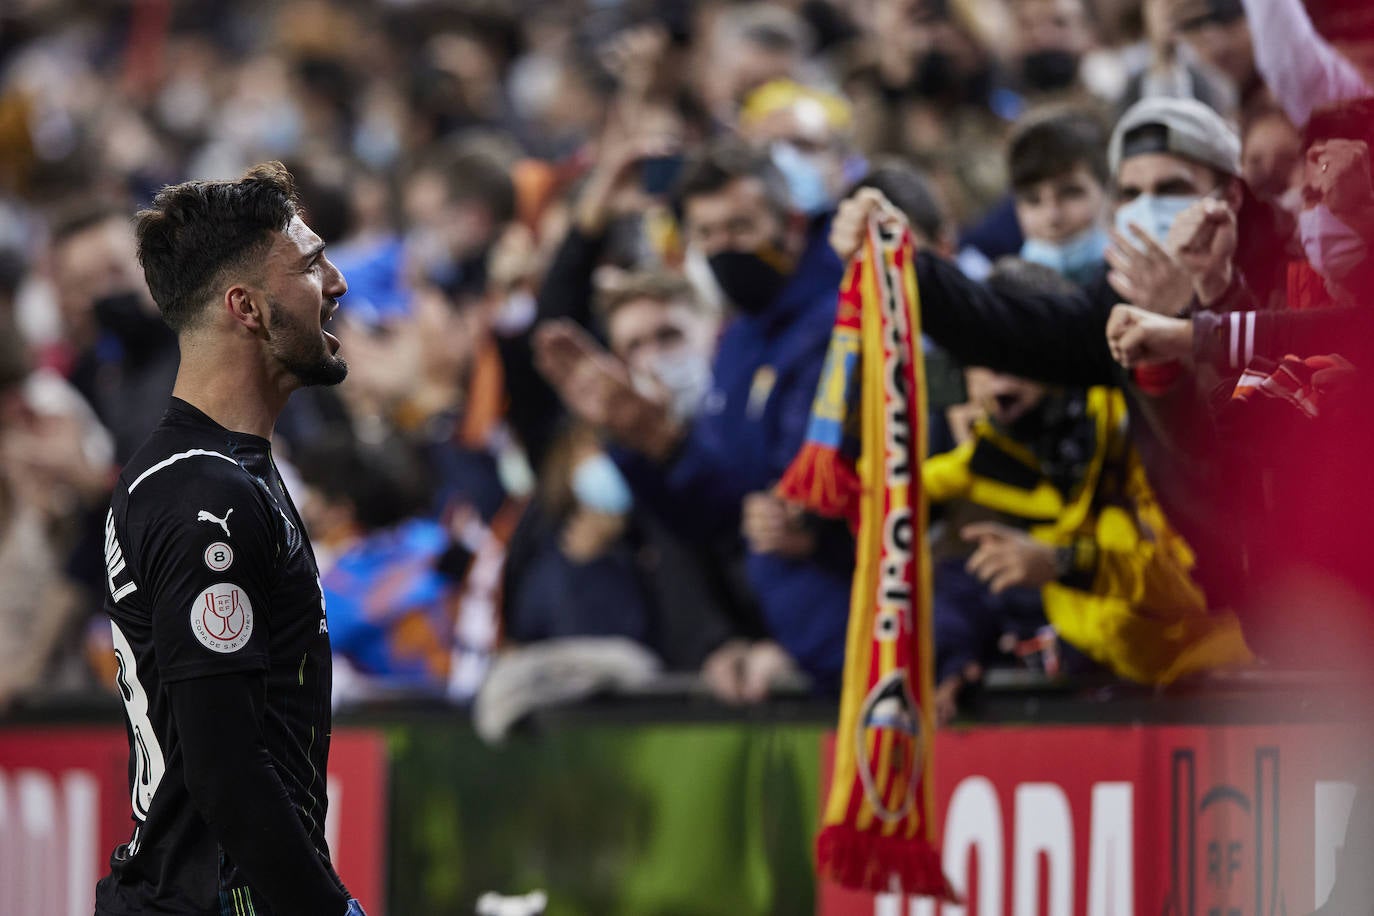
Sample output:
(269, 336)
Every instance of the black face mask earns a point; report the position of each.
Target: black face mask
(936, 76)
(1050, 70)
(458, 279)
(751, 283)
(124, 316)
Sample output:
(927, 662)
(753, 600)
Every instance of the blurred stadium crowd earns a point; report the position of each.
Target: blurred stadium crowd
(592, 277)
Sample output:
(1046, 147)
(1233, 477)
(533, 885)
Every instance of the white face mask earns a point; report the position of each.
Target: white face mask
(1155, 215)
(805, 178)
(1078, 258)
(1332, 247)
(687, 376)
(598, 485)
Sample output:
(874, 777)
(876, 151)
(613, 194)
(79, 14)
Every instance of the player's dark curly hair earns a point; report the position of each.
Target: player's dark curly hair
(196, 230)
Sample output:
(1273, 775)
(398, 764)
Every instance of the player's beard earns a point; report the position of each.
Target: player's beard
(302, 350)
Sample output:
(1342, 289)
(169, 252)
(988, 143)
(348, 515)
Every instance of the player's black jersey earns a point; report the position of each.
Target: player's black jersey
(209, 572)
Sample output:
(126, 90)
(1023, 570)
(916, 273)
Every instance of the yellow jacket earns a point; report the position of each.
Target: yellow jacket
(1130, 602)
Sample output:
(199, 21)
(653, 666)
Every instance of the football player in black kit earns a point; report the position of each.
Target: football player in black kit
(219, 620)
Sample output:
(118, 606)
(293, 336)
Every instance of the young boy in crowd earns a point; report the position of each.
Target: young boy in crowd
(1058, 169)
(1057, 162)
(1050, 522)
(1057, 159)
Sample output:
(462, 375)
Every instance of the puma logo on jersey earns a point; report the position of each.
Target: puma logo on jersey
(203, 516)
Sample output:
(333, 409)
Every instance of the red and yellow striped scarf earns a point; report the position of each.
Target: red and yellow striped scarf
(862, 461)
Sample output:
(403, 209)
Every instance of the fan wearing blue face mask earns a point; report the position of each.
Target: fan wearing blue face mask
(1170, 154)
(578, 562)
(807, 133)
(1058, 167)
(1326, 291)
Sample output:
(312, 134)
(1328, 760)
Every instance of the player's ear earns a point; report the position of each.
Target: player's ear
(245, 307)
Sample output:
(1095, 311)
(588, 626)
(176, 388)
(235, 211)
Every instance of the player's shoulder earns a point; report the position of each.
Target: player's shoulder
(176, 471)
(172, 459)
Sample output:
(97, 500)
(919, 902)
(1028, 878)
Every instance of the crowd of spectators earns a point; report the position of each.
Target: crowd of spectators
(593, 250)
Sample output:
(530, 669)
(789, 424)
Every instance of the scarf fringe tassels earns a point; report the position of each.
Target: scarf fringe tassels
(855, 859)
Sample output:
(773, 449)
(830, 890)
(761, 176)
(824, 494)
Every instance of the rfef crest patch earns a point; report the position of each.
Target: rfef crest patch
(222, 618)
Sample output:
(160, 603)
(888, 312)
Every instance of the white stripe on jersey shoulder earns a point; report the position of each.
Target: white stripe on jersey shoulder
(167, 462)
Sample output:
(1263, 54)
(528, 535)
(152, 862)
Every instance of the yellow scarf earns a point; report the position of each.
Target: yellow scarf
(878, 829)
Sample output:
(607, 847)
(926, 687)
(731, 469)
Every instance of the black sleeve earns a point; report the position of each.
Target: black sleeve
(567, 290)
(534, 408)
(208, 549)
(219, 723)
(1059, 339)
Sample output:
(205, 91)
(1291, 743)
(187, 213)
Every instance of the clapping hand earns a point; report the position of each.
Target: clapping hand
(1147, 275)
(597, 388)
(1203, 237)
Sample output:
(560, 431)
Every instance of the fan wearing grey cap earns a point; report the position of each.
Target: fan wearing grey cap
(1326, 294)
(1163, 150)
(1167, 155)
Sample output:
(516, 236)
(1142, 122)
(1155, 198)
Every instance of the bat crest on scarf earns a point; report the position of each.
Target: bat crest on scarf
(890, 719)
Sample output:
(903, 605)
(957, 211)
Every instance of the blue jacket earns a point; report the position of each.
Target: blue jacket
(387, 604)
(750, 427)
